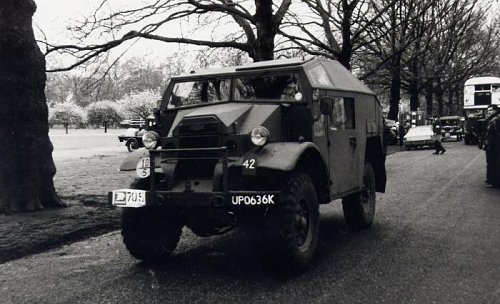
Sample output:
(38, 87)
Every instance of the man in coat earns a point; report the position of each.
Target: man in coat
(491, 144)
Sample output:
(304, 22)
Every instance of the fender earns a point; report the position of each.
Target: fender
(277, 156)
(130, 162)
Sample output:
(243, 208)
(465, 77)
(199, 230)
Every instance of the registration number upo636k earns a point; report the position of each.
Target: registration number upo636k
(265, 199)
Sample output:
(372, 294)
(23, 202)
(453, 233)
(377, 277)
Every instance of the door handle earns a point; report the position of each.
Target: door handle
(352, 141)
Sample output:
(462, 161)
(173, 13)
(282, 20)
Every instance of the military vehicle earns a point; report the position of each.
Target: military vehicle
(259, 146)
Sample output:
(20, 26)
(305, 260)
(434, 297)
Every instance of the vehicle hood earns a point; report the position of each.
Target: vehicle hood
(238, 118)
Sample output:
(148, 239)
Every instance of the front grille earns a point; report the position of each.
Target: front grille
(198, 132)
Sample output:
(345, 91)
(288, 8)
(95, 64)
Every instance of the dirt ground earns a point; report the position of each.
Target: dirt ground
(86, 164)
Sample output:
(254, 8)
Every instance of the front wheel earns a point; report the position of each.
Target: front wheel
(150, 233)
(359, 208)
(291, 229)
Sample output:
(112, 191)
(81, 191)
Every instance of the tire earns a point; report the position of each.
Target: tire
(132, 144)
(150, 233)
(291, 228)
(359, 208)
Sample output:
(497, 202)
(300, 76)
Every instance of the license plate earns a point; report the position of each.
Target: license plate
(129, 198)
(252, 200)
(143, 167)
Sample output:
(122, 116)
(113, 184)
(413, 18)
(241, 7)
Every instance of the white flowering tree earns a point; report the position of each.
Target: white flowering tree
(67, 113)
(139, 104)
(103, 113)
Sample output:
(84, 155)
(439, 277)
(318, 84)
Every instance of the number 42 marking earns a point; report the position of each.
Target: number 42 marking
(249, 163)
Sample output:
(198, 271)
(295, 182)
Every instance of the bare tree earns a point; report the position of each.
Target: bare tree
(256, 23)
(399, 31)
(334, 29)
(462, 44)
(27, 168)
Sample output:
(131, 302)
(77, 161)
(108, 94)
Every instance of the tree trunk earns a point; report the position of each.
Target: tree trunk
(395, 88)
(263, 48)
(439, 97)
(346, 51)
(26, 168)
(429, 88)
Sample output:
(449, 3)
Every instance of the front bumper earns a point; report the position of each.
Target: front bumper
(189, 196)
(230, 200)
(417, 143)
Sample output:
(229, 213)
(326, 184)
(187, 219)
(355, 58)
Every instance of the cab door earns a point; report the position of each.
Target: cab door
(343, 146)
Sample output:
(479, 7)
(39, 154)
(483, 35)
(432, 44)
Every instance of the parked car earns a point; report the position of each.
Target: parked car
(452, 126)
(419, 136)
(132, 138)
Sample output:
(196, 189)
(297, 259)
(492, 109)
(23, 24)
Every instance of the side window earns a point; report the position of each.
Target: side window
(350, 122)
(343, 113)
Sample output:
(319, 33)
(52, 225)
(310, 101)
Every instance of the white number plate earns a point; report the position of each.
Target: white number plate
(129, 198)
(143, 167)
(266, 199)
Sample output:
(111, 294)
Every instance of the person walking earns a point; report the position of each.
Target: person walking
(491, 145)
(436, 128)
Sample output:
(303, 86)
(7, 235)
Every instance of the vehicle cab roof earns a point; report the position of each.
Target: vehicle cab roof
(483, 80)
(340, 78)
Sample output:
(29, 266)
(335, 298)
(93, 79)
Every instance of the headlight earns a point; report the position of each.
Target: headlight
(260, 136)
(150, 139)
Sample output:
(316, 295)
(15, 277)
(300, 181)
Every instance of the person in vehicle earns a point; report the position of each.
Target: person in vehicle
(436, 127)
(491, 145)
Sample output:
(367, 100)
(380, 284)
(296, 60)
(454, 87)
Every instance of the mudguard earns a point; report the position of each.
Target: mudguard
(130, 162)
(279, 156)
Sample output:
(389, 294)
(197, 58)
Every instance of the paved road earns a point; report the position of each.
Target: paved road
(435, 240)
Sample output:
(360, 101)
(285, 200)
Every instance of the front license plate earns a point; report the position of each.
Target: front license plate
(129, 198)
(251, 200)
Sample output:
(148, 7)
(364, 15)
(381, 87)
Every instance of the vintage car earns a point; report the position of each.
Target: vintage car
(132, 138)
(452, 126)
(419, 136)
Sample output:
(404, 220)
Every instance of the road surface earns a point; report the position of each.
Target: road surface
(435, 239)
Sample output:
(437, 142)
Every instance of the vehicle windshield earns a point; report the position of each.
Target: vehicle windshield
(284, 87)
(190, 93)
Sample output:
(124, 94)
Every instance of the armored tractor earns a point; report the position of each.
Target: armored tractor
(260, 146)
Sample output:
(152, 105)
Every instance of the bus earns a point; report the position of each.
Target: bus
(479, 93)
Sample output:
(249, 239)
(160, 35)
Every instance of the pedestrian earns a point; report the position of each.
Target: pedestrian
(436, 128)
(491, 145)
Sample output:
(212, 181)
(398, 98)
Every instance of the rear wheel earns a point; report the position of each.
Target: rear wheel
(291, 229)
(359, 208)
(132, 144)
